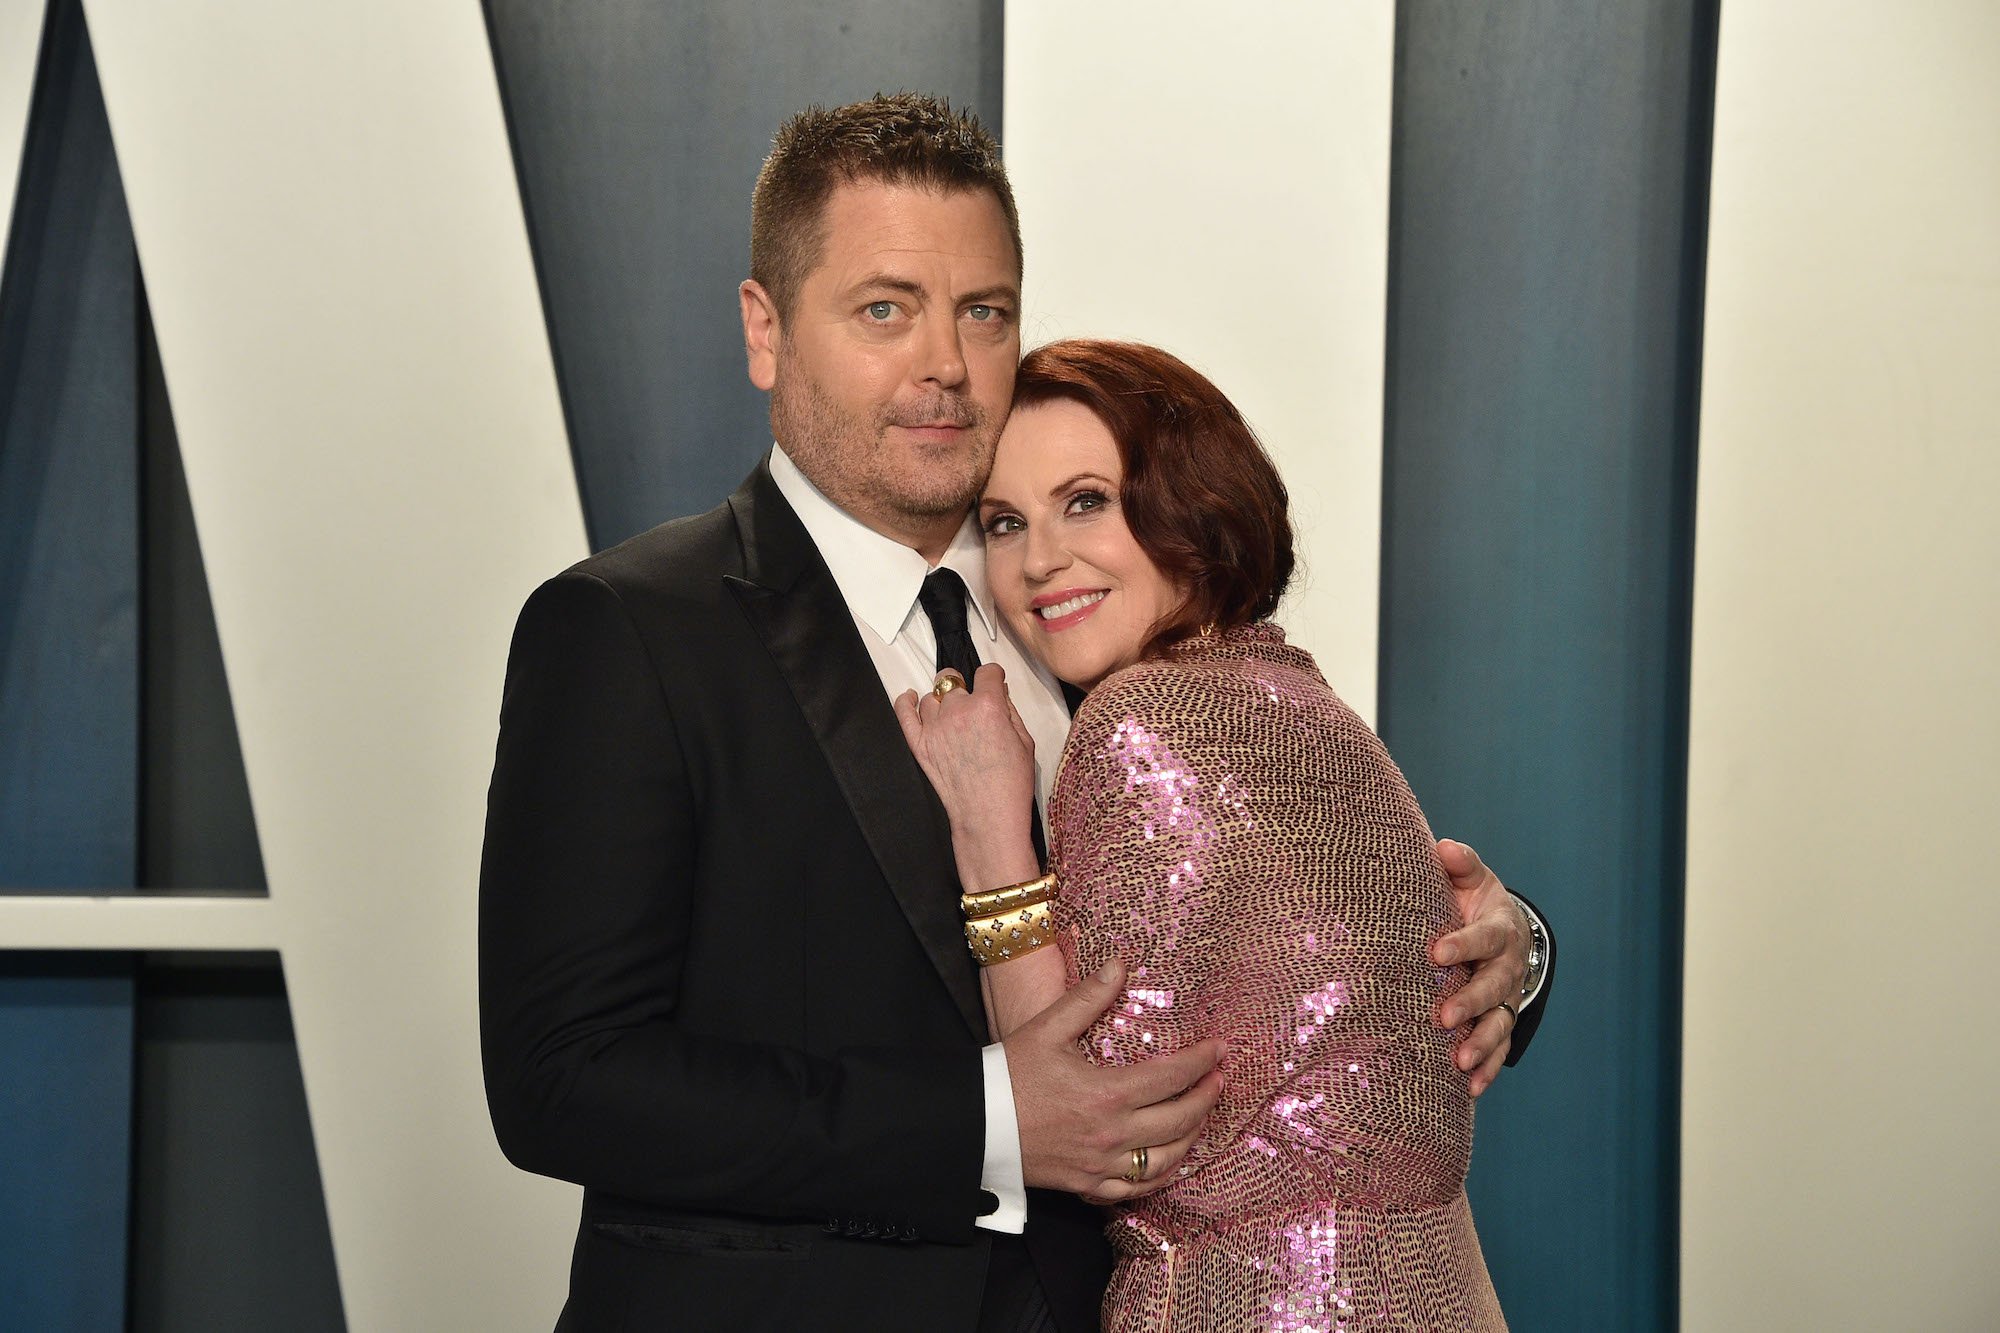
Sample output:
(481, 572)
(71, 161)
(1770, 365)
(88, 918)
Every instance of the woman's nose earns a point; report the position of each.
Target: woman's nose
(1047, 554)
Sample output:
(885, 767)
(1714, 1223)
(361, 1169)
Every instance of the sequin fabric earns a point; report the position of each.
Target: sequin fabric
(1239, 837)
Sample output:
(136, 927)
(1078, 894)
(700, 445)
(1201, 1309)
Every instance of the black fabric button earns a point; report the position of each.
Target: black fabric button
(989, 1203)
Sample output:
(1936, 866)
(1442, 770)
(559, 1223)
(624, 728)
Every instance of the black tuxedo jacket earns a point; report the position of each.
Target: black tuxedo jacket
(723, 984)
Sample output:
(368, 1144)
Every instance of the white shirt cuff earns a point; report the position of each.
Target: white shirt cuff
(1001, 1172)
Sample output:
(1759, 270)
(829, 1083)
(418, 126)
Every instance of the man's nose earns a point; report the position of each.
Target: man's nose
(940, 357)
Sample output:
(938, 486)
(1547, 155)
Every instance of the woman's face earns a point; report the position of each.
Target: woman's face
(1066, 572)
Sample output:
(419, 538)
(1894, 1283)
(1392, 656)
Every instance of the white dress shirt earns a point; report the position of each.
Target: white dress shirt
(879, 578)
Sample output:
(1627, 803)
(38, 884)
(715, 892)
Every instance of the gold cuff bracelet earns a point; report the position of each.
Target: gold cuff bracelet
(1010, 934)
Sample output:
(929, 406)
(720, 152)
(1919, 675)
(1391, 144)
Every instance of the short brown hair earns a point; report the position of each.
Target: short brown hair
(1200, 495)
(894, 138)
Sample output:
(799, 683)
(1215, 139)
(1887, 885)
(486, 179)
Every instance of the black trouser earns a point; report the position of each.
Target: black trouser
(1014, 1302)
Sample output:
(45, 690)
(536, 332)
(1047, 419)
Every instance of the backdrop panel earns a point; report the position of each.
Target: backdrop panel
(69, 496)
(1544, 316)
(65, 1118)
(20, 42)
(229, 1231)
(1215, 180)
(69, 666)
(1840, 1092)
(349, 330)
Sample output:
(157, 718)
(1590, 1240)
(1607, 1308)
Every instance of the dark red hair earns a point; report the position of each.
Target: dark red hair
(1200, 495)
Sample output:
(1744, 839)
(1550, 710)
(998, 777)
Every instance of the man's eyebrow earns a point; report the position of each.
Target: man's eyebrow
(887, 282)
(1006, 292)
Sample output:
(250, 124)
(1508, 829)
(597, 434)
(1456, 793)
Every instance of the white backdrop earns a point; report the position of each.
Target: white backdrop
(1215, 179)
(1840, 1090)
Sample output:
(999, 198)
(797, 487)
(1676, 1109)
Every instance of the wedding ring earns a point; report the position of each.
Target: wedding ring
(1512, 1012)
(945, 685)
(1137, 1171)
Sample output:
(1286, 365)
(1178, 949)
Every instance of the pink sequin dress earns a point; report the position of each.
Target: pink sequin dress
(1233, 831)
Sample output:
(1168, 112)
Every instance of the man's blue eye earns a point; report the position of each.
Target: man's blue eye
(982, 312)
(881, 310)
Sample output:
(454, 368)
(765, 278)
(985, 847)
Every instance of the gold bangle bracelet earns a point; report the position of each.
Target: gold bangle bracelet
(1025, 894)
(993, 904)
(1008, 935)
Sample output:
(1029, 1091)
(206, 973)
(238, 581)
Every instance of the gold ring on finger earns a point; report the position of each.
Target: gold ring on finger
(1137, 1171)
(945, 685)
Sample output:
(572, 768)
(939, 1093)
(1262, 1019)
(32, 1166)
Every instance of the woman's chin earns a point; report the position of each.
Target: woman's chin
(1073, 662)
(1085, 671)
(1085, 676)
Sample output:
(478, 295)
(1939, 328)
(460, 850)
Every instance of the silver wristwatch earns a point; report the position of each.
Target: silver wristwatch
(1538, 953)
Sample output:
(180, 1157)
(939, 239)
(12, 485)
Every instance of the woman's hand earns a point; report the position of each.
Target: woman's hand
(979, 756)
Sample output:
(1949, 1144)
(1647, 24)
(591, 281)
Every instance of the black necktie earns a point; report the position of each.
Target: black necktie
(943, 600)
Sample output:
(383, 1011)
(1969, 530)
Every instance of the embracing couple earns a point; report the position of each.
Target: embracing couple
(859, 985)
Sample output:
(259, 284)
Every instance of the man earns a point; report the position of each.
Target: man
(723, 982)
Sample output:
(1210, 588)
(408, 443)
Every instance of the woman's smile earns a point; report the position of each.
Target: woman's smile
(1060, 610)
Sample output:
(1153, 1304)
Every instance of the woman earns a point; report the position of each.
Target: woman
(1234, 834)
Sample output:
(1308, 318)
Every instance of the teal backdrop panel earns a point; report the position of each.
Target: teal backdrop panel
(1547, 212)
(69, 673)
(65, 1125)
(69, 493)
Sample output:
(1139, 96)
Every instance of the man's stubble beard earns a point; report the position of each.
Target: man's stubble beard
(844, 455)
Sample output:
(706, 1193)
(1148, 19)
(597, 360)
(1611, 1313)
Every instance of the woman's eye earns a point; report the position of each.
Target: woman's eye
(1002, 524)
(1085, 501)
(881, 310)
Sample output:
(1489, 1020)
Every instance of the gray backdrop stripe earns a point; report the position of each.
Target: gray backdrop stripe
(221, 1131)
(69, 650)
(1548, 200)
(196, 828)
(229, 1228)
(637, 131)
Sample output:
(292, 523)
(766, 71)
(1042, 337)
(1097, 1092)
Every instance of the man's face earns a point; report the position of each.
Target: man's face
(891, 376)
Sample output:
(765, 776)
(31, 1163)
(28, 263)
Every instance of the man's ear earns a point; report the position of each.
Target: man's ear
(761, 333)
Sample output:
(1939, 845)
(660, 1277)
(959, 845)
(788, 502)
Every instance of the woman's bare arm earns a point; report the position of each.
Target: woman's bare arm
(1016, 990)
(981, 761)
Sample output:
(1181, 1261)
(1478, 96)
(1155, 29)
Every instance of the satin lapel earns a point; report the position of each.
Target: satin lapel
(791, 598)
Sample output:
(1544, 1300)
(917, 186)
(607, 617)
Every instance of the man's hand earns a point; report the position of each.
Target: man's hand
(1495, 941)
(1080, 1123)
